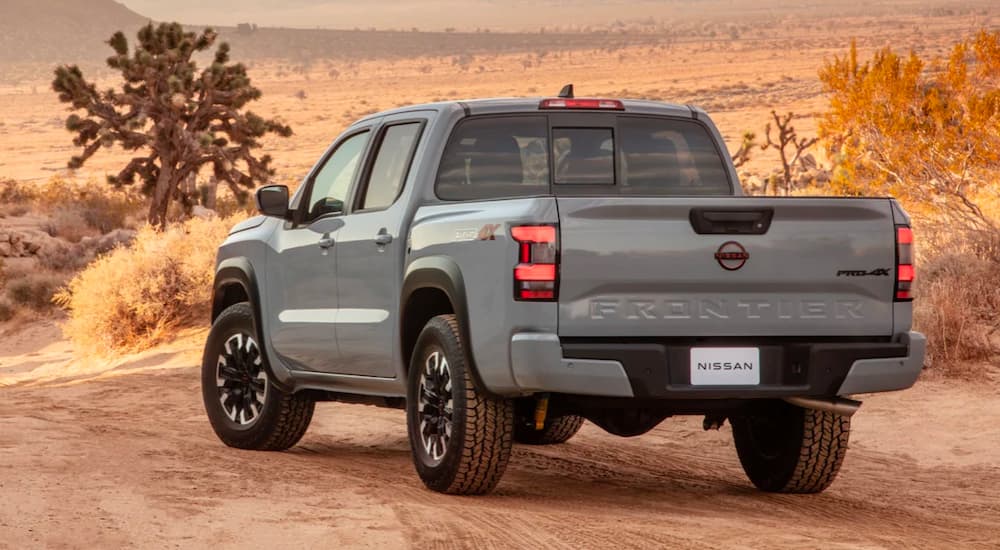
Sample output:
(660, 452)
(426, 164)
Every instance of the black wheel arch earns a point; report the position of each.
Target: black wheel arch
(235, 282)
(442, 276)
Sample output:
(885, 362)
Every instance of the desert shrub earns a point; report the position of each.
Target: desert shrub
(229, 204)
(68, 225)
(958, 306)
(14, 210)
(136, 296)
(7, 310)
(106, 210)
(924, 130)
(15, 192)
(99, 206)
(34, 291)
(58, 256)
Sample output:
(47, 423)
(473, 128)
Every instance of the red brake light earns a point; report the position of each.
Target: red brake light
(534, 233)
(610, 104)
(536, 275)
(535, 272)
(905, 272)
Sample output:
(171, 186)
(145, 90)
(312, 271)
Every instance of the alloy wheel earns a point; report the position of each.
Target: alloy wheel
(242, 379)
(435, 407)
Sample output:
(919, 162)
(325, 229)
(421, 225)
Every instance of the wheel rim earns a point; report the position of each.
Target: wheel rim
(242, 379)
(435, 410)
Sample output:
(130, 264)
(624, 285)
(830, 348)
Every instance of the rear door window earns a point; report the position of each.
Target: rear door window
(392, 163)
(498, 157)
(661, 156)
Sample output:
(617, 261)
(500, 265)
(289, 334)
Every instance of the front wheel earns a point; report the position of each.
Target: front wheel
(460, 438)
(244, 407)
(789, 449)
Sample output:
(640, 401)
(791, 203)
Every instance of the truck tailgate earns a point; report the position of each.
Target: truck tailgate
(636, 267)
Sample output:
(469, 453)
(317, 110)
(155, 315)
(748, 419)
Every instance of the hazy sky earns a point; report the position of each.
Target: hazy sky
(403, 14)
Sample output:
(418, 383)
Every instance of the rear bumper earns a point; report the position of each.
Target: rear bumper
(661, 369)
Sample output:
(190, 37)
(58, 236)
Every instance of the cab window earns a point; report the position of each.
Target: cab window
(333, 180)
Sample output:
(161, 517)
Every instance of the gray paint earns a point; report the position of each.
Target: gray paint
(341, 327)
(639, 269)
(538, 365)
(879, 375)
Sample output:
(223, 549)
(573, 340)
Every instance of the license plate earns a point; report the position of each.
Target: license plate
(725, 366)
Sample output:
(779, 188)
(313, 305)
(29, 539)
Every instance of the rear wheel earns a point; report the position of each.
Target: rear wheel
(558, 429)
(460, 438)
(244, 407)
(789, 449)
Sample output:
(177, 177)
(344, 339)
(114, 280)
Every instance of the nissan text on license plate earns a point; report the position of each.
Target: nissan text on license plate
(725, 366)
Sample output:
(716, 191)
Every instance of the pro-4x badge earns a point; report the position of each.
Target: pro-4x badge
(878, 272)
(488, 232)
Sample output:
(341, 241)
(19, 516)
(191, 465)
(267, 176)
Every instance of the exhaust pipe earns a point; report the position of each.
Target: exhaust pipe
(836, 405)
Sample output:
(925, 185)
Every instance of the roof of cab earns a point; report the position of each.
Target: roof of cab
(503, 105)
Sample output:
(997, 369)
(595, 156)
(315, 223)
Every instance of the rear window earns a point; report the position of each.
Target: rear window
(670, 157)
(584, 155)
(500, 157)
(488, 158)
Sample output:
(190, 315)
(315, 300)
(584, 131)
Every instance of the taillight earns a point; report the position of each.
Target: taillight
(904, 264)
(582, 103)
(536, 275)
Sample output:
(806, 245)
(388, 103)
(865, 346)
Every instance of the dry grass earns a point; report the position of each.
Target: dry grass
(958, 307)
(33, 290)
(135, 297)
(68, 225)
(75, 206)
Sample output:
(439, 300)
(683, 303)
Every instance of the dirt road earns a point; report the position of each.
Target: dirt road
(127, 459)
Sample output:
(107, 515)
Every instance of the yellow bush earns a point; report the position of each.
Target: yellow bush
(135, 297)
(924, 130)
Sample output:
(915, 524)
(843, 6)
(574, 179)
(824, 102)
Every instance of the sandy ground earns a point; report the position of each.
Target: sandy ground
(119, 454)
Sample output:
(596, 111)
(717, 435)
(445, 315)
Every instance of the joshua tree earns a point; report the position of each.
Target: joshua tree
(790, 147)
(742, 155)
(177, 118)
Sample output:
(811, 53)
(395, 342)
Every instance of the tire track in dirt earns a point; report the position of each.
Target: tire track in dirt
(106, 462)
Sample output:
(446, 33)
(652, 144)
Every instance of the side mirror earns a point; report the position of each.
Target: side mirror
(272, 200)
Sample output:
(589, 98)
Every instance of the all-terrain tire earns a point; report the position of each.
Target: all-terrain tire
(282, 420)
(481, 426)
(556, 430)
(789, 449)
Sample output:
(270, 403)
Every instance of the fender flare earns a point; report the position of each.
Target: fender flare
(235, 271)
(239, 271)
(442, 273)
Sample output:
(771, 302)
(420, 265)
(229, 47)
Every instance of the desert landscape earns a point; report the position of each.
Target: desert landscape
(104, 441)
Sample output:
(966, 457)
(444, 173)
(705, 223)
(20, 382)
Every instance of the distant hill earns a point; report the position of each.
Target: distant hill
(76, 31)
(68, 31)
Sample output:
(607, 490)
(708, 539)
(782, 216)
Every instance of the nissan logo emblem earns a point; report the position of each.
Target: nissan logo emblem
(731, 255)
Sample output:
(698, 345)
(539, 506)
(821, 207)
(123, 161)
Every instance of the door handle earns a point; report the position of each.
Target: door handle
(383, 239)
(326, 241)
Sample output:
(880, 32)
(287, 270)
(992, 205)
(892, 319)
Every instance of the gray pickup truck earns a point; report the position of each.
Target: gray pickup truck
(507, 268)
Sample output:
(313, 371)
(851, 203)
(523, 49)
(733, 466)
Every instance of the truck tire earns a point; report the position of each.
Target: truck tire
(556, 430)
(460, 438)
(245, 409)
(789, 449)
